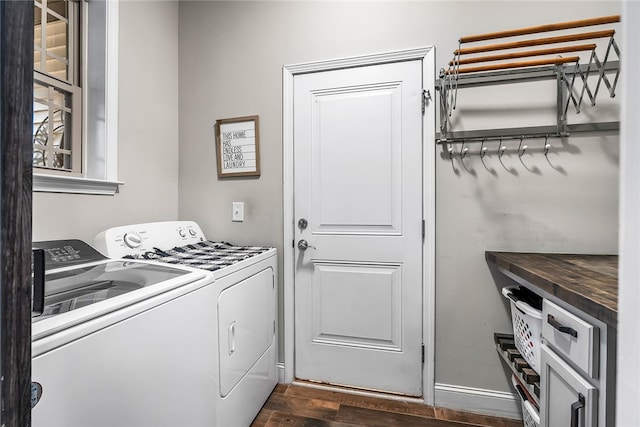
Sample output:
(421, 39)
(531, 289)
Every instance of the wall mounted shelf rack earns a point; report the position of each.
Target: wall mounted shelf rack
(572, 77)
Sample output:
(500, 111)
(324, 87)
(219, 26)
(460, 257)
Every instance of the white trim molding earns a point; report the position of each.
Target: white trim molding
(281, 378)
(74, 184)
(429, 217)
(628, 352)
(427, 56)
(359, 61)
(480, 401)
(111, 77)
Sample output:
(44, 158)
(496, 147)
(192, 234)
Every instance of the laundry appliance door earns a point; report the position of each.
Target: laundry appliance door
(78, 294)
(151, 363)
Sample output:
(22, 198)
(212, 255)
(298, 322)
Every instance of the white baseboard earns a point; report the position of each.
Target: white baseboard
(469, 399)
(479, 401)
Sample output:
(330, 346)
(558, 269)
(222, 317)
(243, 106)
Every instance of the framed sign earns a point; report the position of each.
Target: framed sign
(237, 147)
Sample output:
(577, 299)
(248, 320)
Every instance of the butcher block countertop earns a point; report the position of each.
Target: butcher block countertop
(587, 282)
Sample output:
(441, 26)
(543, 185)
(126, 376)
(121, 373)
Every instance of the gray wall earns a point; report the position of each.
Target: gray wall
(184, 66)
(148, 134)
(231, 57)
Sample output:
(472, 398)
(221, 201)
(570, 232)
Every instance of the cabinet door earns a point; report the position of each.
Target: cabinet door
(567, 398)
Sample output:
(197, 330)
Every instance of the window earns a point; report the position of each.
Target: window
(56, 87)
(75, 88)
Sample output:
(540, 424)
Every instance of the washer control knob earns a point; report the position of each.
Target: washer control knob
(132, 240)
(182, 233)
(192, 232)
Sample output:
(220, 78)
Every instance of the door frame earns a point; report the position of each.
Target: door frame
(16, 159)
(427, 56)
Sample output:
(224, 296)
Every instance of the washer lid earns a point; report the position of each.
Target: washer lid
(71, 289)
(75, 295)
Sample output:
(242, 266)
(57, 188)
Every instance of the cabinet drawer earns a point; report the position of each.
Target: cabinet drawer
(572, 337)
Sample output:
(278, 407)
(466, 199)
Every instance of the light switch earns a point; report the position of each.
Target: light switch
(238, 211)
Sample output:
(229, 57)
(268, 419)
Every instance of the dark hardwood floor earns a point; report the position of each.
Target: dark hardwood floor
(298, 406)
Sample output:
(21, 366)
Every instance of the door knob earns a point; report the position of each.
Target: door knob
(303, 245)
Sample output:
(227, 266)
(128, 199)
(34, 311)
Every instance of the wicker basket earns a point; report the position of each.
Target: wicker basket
(527, 328)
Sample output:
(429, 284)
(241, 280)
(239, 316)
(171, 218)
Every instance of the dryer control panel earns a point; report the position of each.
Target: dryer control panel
(136, 239)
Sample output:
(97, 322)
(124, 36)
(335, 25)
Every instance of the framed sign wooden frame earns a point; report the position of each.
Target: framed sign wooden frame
(238, 146)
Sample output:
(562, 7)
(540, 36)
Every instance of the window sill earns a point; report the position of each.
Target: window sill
(75, 185)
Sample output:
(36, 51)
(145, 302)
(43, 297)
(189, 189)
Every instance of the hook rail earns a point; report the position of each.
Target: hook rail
(501, 148)
(533, 132)
(502, 138)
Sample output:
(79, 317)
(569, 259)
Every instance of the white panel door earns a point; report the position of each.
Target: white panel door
(358, 186)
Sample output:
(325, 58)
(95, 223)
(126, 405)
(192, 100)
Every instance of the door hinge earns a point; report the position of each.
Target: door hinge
(293, 243)
(423, 229)
(422, 353)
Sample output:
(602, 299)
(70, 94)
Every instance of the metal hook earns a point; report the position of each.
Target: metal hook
(547, 146)
(450, 150)
(522, 148)
(483, 150)
(452, 91)
(463, 151)
(501, 149)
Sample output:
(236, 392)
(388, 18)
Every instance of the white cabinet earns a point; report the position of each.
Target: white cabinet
(567, 398)
(578, 332)
(577, 369)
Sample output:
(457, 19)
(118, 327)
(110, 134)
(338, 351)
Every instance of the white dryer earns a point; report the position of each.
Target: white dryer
(120, 342)
(245, 306)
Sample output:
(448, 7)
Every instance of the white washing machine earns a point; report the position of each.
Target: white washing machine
(120, 342)
(245, 306)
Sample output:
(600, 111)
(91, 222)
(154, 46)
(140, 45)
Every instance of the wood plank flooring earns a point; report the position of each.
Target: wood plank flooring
(300, 406)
